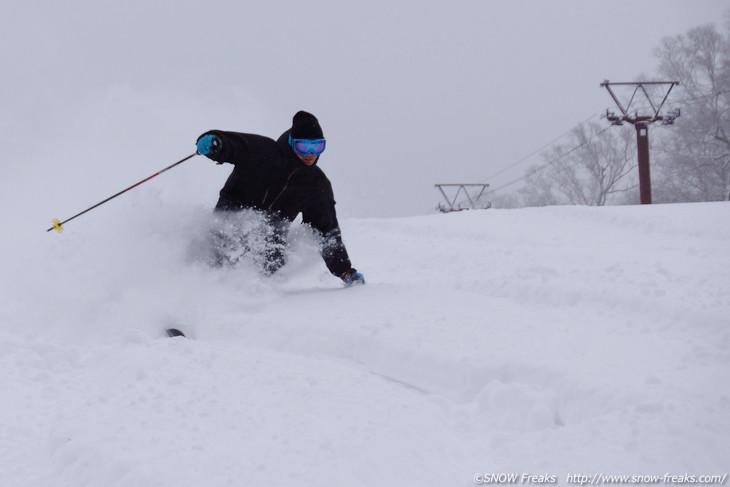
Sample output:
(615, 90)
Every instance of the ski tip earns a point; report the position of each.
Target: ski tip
(174, 332)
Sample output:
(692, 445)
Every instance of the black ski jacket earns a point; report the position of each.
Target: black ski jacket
(268, 176)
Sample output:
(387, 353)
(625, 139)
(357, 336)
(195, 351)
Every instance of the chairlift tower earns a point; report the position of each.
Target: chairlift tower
(463, 188)
(641, 123)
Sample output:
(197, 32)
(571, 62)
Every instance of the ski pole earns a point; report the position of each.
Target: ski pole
(58, 225)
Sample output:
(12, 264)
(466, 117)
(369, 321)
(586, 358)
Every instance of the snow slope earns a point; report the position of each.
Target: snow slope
(564, 340)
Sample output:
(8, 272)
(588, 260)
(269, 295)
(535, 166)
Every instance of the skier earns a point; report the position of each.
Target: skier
(281, 179)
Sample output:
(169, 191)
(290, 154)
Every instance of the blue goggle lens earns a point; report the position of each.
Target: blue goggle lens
(308, 146)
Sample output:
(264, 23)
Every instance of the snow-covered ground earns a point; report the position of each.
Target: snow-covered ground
(550, 341)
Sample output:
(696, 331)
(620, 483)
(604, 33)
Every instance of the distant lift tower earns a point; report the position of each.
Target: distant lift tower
(641, 123)
(473, 202)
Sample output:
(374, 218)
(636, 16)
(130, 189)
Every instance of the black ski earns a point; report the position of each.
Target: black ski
(174, 332)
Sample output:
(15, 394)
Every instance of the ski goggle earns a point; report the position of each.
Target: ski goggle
(307, 146)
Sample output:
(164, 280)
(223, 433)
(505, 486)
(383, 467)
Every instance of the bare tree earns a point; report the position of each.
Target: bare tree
(592, 167)
(538, 189)
(693, 162)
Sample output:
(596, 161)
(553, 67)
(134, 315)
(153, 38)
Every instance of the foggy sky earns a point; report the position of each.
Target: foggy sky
(408, 93)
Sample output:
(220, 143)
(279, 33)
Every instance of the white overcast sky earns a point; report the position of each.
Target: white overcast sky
(409, 93)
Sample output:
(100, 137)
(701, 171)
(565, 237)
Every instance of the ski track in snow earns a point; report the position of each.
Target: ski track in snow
(553, 340)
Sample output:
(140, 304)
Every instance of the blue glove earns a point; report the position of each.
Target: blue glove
(208, 144)
(352, 277)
